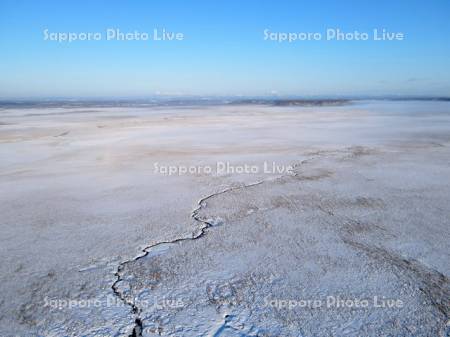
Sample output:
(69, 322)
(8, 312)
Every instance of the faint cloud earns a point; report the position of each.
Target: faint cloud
(415, 79)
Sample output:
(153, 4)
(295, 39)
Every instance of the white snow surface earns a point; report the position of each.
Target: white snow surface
(94, 242)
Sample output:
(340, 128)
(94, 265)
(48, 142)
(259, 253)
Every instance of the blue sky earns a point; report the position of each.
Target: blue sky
(224, 51)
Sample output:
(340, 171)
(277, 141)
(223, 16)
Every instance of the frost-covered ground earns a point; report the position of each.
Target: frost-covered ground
(352, 240)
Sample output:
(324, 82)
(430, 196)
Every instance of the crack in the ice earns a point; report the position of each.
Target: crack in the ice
(205, 224)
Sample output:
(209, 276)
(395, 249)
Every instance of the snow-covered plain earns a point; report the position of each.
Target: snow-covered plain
(352, 240)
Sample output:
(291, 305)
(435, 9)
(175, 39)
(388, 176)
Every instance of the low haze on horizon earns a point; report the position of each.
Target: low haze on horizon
(222, 49)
